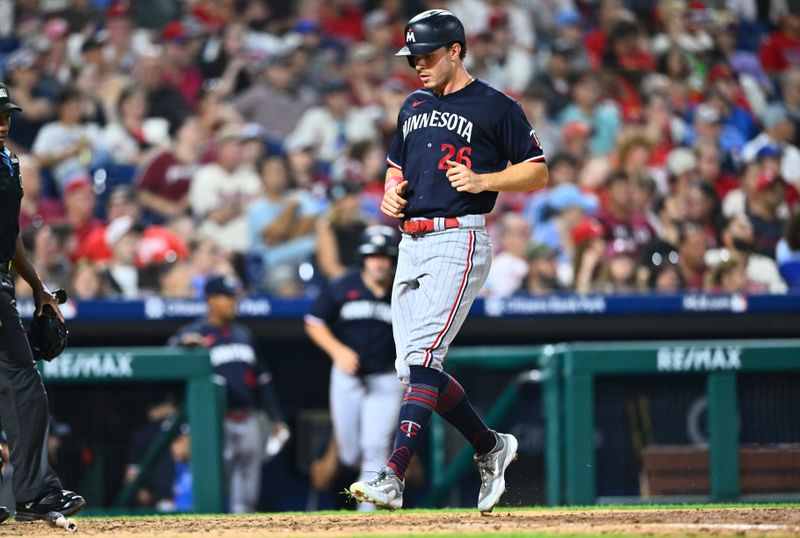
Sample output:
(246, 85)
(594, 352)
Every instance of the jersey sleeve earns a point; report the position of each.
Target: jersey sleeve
(517, 139)
(267, 396)
(394, 158)
(324, 309)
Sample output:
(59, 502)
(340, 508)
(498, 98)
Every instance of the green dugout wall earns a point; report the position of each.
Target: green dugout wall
(203, 407)
(567, 373)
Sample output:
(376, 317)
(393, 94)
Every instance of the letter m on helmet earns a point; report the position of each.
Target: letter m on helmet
(430, 30)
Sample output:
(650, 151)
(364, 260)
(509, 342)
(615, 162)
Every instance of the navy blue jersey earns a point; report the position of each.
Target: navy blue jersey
(233, 356)
(477, 126)
(359, 320)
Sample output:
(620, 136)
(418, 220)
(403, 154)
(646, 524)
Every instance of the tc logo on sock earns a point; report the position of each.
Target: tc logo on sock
(410, 428)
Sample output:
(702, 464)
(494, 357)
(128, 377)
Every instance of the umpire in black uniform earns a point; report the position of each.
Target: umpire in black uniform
(23, 400)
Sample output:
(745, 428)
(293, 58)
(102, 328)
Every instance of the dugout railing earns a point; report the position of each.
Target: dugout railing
(568, 374)
(202, 409)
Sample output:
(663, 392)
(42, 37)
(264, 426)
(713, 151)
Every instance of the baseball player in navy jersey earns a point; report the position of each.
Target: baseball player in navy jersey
(248, 389)
(351, 322)
(458, 142)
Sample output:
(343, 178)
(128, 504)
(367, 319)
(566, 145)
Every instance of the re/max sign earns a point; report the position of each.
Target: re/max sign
(699, 359)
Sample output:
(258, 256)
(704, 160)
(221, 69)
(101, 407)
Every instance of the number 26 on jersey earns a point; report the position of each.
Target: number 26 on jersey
(461, 156)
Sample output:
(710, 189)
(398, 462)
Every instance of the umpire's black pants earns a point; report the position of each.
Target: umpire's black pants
(23, 404)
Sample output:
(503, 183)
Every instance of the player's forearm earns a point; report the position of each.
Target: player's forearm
(521, 177)
(394, 177)
(270, 403)
(322, 336)
(327, 251)
(24, 268)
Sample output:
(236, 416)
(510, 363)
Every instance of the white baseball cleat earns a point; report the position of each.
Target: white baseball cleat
(492, 467)
(384, 491)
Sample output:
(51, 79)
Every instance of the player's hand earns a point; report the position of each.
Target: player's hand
(393, 202)
(41, 297)
(279, 428)
(346, 360)
(464, 179)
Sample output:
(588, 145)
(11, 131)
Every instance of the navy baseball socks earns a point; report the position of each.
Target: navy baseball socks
(415, 414)
(429, 391)
(453, 406)
(386, 489)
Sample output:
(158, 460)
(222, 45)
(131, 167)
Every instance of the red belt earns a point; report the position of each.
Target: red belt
(423, 226)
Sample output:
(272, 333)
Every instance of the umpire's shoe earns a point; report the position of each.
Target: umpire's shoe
(385, 490)
(492, 467)
(59, 500)
(3, 513)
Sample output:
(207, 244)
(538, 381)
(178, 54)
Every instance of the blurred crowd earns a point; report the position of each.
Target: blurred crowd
(166, 140)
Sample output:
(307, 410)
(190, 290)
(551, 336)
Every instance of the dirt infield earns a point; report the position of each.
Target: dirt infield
(643, 522)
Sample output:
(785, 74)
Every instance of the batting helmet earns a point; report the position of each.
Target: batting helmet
(430, 30)
(378, 241)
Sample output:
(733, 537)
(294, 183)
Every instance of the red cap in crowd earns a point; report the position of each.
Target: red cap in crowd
(720, 71)
(119, 9)
(575, 128)
(587, 229)
(174, 31)
(76, 183)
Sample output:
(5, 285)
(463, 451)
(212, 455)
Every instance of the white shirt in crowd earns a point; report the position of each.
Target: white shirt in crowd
(505, 276)
(318, 128)
(212, 187)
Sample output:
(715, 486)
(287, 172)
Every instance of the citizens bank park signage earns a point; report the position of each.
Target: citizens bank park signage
(157, 308)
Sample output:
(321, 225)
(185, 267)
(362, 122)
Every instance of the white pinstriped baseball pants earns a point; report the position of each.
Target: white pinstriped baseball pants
(438, 277)
(243, 455)
(364, 414)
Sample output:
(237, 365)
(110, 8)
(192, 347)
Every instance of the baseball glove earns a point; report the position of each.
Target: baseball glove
(47, 335)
